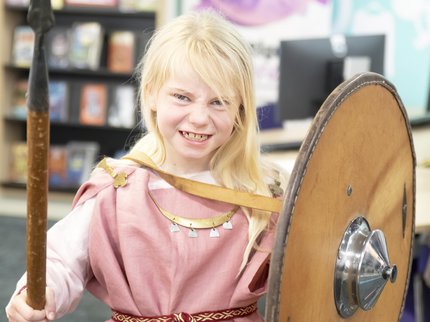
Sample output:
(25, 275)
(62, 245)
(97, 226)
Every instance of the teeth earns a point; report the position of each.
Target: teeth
(195, 136)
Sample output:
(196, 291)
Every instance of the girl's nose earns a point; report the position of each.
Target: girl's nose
(199, 115)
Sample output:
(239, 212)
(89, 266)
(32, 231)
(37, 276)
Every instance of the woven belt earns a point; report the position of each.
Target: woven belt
(222, 315)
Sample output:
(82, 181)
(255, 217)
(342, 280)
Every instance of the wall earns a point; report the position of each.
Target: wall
(407, 27)
(405, 23)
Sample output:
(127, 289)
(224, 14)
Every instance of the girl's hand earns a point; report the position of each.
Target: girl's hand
(19, 311)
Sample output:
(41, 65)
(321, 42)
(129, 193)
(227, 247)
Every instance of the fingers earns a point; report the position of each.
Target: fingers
(50, 305)
(20, 311)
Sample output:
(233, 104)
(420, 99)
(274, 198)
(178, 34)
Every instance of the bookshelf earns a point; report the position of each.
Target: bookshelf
(110, 138)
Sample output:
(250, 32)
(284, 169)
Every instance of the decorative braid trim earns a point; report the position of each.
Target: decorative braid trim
(222, 315)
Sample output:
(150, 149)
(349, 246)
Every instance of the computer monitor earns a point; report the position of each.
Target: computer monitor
(424, 118)
(311, 68)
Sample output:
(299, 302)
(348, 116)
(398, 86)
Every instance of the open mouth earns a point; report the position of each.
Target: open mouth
(194, 136)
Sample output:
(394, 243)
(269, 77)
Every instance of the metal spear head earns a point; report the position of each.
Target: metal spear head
(41, 19)
(40, 16)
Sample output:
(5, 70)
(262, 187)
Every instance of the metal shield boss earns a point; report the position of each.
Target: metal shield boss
(343, 248)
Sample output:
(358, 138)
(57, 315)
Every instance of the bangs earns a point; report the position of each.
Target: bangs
(213, 68)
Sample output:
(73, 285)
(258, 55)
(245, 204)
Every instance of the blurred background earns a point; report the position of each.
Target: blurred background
(302, 50)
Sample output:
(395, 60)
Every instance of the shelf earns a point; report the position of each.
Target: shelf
(101, 72)
(112, 140)
(74, 125)
(284, 146)
(91, 11)
(112, 18)
(19, 185)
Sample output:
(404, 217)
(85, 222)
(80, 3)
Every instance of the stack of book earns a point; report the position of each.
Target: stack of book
(23, 44)
(99, 104)
(80, 46)
(69, 165)
(118, 109)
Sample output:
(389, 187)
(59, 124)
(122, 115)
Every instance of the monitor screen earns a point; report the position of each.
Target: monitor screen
(311, 68)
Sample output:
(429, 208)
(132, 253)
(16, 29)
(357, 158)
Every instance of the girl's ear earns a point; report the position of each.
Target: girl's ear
(150, 98)
(152, 105)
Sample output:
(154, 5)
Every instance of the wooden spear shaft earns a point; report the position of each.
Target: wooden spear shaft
(40, 18)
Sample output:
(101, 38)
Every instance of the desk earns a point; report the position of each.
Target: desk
(421, 138)
(422, 203)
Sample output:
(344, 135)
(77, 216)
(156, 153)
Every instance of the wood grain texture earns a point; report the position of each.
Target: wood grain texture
(37, 206)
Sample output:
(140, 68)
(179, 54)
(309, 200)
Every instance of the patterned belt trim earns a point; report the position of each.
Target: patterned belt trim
(222, 315)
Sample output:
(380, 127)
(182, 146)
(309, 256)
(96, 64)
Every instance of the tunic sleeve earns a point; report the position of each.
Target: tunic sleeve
(67, 270)
(67, 257)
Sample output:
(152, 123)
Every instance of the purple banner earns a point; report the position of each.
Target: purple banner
(256, 12)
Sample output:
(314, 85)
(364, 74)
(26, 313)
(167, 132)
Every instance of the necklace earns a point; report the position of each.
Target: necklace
(200, 223)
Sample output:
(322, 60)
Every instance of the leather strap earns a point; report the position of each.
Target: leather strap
(209, 191)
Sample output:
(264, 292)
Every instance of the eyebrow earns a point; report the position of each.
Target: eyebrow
(184, 92)
(177, 89)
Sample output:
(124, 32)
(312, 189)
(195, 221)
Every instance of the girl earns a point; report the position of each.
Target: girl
(134, 238)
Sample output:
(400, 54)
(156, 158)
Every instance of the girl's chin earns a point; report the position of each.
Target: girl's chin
(195, 162)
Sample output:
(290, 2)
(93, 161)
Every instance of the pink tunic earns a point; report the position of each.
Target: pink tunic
(142, 268)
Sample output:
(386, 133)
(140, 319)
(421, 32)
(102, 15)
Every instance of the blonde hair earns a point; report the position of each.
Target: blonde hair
(218, 54)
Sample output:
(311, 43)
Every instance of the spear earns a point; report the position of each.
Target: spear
(41, 19)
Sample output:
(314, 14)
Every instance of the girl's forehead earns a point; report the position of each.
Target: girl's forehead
(187, 74)
(184, 71)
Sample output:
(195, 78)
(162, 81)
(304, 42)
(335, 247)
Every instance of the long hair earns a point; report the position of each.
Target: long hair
(222, 59)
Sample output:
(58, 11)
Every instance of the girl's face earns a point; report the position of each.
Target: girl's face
(192, 120)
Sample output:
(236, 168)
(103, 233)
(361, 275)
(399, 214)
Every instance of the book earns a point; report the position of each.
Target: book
(57, 4)
(23, 45)
(121, 51)
(93, 104)
(137, 5)
(126, 5)
(91, 3)
(81, 158)
(58, 47)
(57, 165)
(86, 41)
(145, 5)
(18, 3)
(122, 108)
(19, 99)
(58, 101)
(18, 162)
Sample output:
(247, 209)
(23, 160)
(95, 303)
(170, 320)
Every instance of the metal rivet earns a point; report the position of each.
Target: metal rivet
(404, 210)
(349, 190)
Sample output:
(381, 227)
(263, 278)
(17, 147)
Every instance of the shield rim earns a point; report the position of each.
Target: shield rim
(324, 115)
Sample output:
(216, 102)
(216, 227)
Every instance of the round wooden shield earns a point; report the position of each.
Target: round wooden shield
(357, 161)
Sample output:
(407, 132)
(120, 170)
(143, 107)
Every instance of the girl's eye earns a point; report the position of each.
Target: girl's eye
(181, 97)
(220, 103)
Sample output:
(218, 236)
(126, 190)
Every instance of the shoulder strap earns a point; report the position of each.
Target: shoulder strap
(209, 191)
